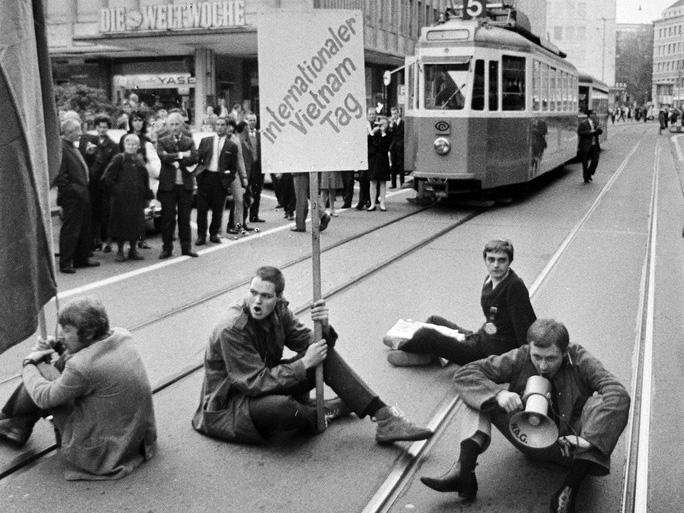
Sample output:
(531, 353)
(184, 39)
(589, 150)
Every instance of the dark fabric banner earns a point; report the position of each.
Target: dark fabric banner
(30, 153)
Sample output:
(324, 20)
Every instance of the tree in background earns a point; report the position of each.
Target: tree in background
(87, 101)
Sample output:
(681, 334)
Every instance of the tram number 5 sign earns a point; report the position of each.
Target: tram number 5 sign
(473, 9)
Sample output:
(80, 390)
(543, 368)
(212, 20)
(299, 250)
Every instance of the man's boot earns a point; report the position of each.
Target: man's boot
(16, 430)
(454, 480)
(393, 426)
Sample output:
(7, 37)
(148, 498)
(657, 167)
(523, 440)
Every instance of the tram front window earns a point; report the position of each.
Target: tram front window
(445, 85)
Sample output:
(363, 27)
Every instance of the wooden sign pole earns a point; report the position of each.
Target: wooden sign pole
(316, 270)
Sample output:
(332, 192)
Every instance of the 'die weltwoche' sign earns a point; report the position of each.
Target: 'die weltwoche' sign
(312, 90)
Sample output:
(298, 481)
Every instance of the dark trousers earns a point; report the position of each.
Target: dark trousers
(74, 236)
(256, 184)
(347, 188)
(430, 341)
(288, 199)
(364, 188)
(397, 166)
(590, 160)
(211, 195)
(177, 201)
(288, 412)
(21, 407)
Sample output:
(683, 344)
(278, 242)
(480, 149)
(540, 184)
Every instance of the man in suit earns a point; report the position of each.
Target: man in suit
(73, 196)
(98, 151)
(588, 147)
(255, 178)
(176, 152)
(397, 147)
(217, 157)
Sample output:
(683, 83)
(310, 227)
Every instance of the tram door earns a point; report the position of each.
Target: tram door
(411, 72)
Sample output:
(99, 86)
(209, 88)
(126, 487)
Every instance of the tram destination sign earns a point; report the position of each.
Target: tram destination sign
(185, 16)
(312, 90)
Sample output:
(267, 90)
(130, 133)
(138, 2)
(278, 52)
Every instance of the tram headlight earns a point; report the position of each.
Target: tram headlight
(442, 145)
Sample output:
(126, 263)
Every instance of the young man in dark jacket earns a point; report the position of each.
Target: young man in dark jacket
(251, 394)
(588, 406)
(508, 314)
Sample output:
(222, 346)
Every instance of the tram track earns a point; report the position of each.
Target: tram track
(29, 457)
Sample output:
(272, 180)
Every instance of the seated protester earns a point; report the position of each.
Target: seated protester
(508, 314)
(251, 394)
(590, 408)
(97, 391)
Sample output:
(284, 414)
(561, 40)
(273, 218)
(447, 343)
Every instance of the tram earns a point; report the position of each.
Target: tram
(593, 94)
(488, 103)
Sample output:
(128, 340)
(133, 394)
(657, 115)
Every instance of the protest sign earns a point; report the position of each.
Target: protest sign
(312, 90)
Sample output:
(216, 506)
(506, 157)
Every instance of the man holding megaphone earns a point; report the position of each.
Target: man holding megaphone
(561, 405)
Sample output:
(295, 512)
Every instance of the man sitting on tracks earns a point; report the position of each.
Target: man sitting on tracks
(508, 313)
(589, 408)
(97, 391)
(251, 394)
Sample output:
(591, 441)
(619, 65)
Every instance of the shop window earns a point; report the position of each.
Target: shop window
(493, 85)
(513, 82)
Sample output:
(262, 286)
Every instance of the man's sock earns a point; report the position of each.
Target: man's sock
(373, 407)
(578, 471)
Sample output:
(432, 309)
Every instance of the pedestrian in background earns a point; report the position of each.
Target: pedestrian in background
(255, 177)
(330, 182)
(364, 184)
(73, 195)
(128, 184)
(396, 147)
(379, 173)
(588, 146)
(98, 151)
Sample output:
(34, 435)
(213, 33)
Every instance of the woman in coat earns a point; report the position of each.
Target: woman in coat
(379, 172)
(127, 181)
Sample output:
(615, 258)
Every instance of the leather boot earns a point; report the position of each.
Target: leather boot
(16, 430)
(453, 481)
(393, 426)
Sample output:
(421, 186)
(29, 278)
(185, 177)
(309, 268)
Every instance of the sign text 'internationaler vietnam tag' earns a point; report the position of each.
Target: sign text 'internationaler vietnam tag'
(312, 90)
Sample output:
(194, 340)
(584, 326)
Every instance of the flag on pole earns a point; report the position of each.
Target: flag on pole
(30, 152)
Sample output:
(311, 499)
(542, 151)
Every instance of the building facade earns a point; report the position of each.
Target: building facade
(189, 53)
(668, 57)
(585, 30)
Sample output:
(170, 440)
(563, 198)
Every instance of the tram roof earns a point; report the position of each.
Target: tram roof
(586, 78)
(484, 34)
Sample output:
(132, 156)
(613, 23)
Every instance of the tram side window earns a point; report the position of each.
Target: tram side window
(445, 85)
(513, 82)
(493, 85)
(411, 87)
(478, 100)
(553, 89)
(536, 85)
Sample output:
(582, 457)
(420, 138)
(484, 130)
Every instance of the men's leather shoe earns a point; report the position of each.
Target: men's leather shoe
(393, 426)
(165, 254)
(201, 241)
(134, 255)
(400, 358)
(190, 253)
(257, 220)
(453, 481)
(295, 229)
(325, 221)
(88, 263)
(215, 239)
(346, 205)
(16, 430)
(67, 270)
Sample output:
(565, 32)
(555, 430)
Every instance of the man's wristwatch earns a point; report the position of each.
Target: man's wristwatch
(27, 361)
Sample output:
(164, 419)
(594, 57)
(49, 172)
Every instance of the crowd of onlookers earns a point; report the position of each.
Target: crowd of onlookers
(108, 191)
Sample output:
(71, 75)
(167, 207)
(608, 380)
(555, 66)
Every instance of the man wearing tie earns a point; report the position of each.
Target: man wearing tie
(73, 196)
(176, 152)
(256, 178)
(217, 157)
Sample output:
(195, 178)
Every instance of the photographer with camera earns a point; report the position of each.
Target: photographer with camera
(97, 391)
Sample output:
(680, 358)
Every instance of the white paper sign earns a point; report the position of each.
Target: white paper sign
(312, 90)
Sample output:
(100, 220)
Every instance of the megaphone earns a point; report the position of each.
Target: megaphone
(532, 427)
